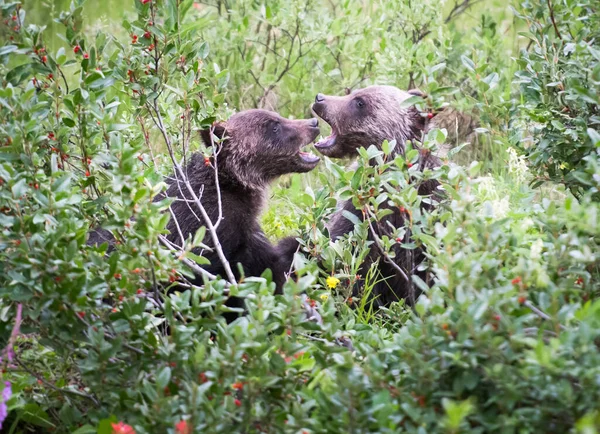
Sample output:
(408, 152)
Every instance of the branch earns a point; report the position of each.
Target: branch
(53, 387)
(385, 254)
(184, 179)
(459, 8)
(541, 314)
(553, 21)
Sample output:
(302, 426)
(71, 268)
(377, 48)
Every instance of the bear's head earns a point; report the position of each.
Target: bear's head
(367, 117)
(258, 146)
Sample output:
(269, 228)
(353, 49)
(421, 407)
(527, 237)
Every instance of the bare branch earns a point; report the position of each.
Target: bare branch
(53, 387)
(540, 313)
(184, 179)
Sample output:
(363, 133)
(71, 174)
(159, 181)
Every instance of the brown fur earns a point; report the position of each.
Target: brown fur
(367, 117)
(258, 146)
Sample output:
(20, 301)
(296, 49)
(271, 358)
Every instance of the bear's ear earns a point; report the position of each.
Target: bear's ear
(417, 92)
(218, 129)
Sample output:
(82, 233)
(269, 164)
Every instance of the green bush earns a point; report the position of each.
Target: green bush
(559, 80)
(505, 340)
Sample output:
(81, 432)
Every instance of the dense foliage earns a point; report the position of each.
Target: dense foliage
(506, 339)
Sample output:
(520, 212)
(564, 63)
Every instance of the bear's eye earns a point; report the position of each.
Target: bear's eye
(360, 103)
(276, 127)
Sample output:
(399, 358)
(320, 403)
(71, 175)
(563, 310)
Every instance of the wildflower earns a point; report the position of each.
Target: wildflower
(182, 427)
(579, 281)
(332, 282)
(324, 297)
(6, 394)
(122, 428)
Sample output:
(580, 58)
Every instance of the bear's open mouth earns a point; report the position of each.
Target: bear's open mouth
(326, 142)
(308, 157)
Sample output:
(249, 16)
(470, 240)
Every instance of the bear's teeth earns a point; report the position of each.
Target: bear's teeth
(326, 142)
(308, 157)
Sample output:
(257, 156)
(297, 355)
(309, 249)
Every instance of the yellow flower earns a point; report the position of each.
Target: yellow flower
(324, 297)
(332, 282)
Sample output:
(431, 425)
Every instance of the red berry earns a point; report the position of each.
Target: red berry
(522, 300)
(117, 275)
(76, 49)
(409, 164)
(238, 402)
(134, 39)
(238, 386)
(86, 56)
(44, 59)
(80, 314)
(147, 35)
(429, 115)
(206, 161)
(50, 76)
(87, 173)
(141, 157)
(516, 280)
(497, 317)
(139, 291)
(145, 1)
(398, 240)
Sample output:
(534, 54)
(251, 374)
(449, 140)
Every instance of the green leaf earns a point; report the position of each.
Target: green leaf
(163, 378)
(468, 63)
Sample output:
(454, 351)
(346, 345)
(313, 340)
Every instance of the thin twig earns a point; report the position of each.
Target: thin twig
(385, 255)
(553, 20)
(53, 387)
(184, 179)
(541, 314)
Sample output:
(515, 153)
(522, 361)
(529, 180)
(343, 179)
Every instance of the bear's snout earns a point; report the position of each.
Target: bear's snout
(320, 97)
(314, 122)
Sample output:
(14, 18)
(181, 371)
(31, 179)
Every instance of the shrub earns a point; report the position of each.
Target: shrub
(505, 340)
(559, 80)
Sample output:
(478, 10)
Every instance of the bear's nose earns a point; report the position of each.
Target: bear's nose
(314, 122)
(320, 97)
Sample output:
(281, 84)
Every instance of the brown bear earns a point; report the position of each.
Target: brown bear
(367, 117)
(257, 147)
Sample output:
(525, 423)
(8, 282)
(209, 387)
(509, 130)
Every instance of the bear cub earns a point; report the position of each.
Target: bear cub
(368, 117)
(257, 147)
